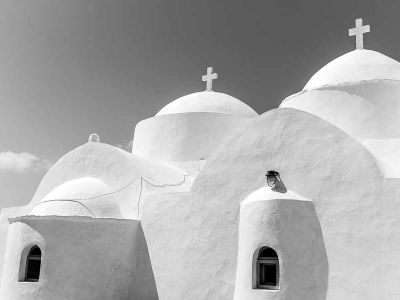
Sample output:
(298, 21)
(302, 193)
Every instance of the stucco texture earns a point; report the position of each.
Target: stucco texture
(364, 110)
(316, 160)
(95, 180)
(106, 182)
(291, 228)
(82, 258)
(335, 145)
(185, 136)
(355, 66)
(208, 101)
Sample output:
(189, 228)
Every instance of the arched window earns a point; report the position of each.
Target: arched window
(266, 269)
(33, 261)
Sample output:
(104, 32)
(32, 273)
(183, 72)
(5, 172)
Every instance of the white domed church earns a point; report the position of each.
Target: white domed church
(190, 214)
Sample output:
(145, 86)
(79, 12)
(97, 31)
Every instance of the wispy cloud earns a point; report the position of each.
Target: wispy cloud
(22, 163)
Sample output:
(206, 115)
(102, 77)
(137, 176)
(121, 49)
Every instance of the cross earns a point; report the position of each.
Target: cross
(209, 78)
(359, 31)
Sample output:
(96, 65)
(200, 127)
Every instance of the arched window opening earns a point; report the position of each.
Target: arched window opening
(266, 269)
(33, 261)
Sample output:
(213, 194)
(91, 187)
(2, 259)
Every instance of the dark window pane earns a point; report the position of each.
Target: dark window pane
(35, 251)
(267, 252)
(268, 274)
(33, 269)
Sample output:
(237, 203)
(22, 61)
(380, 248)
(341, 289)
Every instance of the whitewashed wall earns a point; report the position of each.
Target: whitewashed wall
(82, 258)
(364, 110)
(184, 136)
(290, 226)
(357, 213)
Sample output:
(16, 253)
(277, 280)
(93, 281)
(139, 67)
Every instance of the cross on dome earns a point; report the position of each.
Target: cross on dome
(209, 77)
(359, 31)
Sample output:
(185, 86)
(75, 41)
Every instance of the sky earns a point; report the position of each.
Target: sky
(72, 67)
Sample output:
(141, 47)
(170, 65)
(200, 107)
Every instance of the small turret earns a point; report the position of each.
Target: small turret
(280, 240)
(94, 138)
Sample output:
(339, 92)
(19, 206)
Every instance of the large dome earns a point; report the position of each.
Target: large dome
(355, 66)
(208, 101)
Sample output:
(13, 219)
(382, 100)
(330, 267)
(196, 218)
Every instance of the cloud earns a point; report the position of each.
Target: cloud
(22, 163)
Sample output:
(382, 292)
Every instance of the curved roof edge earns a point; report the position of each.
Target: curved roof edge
(208, 101)
(267, 193)
(27, 218)
(386, 153)
(355, 66)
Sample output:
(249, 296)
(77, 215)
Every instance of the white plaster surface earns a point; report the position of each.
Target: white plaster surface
(185, 136)
(364, 110)
(356, 212)
(6, 213)
(82, 258)
(355, 66)
(266, 193)
(106, 181)
(287, 223)
(62, 208)
(208, 101)
(80, 188)
(193, 164)
(387, 155)
(98, 181)
(85, 196)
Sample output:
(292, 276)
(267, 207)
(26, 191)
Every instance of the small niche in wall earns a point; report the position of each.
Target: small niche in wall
(266, 269)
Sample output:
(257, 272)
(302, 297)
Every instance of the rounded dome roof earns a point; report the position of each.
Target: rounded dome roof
(266, 193)
(78, 189)
(208, 101)
(86, 196)
(61, 208)
(355, 66)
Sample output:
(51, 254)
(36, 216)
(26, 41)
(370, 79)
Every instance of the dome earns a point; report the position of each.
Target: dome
(266, 193)
(355, 66)
(78, 189)
(208, 101)
(61, 208)
(86, 196)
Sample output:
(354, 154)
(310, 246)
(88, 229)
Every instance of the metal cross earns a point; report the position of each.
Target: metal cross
(209, 78)
(359, 31)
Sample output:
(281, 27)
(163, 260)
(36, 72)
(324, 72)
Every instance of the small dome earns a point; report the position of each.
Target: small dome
(355, 66)
(208, 101)
(61, 208)
(86, 196)
(77, 189)
(266, 193)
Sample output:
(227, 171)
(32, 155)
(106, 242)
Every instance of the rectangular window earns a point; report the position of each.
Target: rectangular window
(268, 274)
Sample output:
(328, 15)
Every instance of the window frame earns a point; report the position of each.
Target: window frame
(26, 257)
(258, 261)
